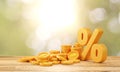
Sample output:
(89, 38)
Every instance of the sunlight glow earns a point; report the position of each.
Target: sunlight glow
(54, 22)
(55, 15)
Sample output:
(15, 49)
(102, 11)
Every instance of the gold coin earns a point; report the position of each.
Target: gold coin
(67, 62)
(56, 62)
(62, 55)
(53, 55)
(27, 59)
(61, 58)
(54, 52)
(42, 60)
(43, 55)
(73, 55)
(23, 60)
(76, 61)
(77, 45)
(65, 48)
(34, 62)
(46, 63)
(53, 59)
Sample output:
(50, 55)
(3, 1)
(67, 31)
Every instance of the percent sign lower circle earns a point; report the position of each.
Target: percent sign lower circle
(92, 50)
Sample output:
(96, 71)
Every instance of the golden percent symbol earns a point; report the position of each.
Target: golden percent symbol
(92, 50)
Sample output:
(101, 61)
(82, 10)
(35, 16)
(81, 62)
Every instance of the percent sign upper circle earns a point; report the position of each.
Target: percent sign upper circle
(86, 38)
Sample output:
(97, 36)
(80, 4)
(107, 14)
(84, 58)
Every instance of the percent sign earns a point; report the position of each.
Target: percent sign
(92, 50)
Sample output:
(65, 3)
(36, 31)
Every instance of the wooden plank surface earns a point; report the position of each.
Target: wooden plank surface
(10, 64)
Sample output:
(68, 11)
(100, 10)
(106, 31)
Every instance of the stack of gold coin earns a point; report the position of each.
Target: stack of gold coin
(66, 56)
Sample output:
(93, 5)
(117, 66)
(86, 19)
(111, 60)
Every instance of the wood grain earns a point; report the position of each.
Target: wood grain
(10, 64)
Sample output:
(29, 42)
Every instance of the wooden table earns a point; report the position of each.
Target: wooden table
(10, 64)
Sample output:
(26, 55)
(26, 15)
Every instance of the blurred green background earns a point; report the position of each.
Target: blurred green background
(26, 25)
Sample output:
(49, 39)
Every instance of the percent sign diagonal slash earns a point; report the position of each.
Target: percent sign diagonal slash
(85, 38)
